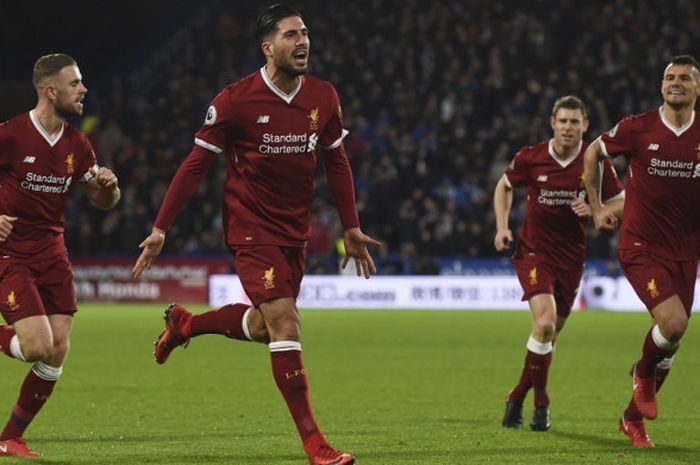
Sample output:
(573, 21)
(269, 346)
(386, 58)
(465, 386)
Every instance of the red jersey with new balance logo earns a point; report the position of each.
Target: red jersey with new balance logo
(269, 139)
(662, 208)
(551, 229)
(36, 173)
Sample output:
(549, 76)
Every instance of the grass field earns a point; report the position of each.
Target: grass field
(394, 387)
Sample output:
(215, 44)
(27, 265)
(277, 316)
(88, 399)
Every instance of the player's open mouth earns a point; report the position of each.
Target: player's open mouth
(300, 55)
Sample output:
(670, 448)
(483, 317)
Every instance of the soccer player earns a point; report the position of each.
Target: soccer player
(41, 158)
(660, 234)
(268, 127)
(550, 255)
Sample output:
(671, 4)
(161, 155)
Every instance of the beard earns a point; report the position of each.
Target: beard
(287, 68)
(67, 112)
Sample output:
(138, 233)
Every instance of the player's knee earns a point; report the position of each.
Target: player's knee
(59, 351)
(286, 327)
(673, 328)
(36, 349)
(545, 328)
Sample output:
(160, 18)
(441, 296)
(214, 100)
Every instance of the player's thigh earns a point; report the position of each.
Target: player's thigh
(61, 326)
(650, 277)
(35, 337)
(535, 277)
(19, 295)
(566, 289)
(55, 284)
(543, 309)
(269, 272)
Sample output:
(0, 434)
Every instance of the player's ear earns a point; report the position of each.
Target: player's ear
(266, 47)
(584, 125)
(49, 92)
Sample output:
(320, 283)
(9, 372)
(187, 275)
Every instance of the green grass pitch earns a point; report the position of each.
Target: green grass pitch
(393, 387)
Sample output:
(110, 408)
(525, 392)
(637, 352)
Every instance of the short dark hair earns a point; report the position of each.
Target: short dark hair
(570, 102)
(684, 60)
(50, 65)
(270, 16)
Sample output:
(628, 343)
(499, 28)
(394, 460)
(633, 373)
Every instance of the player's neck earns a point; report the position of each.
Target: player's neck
(562, 152)
(47, 117)
(282, 80)
(678, 117)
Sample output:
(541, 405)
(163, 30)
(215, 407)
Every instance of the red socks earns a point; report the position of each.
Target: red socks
(290, 377)
(535, 372)
(32, 396)
(227, 320)
(656, 348)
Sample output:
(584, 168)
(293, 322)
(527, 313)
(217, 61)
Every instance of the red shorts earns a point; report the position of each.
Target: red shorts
(541, 278)
(270, 271)
(655, 279)
(44, 287)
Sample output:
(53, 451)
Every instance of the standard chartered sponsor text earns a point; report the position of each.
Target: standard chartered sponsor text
(673, 168)
(46, 183)
(291, 144)
(561, 197)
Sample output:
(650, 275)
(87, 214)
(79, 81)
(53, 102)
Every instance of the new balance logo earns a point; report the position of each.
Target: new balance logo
(263, 119)
(653, 147)
(542, 178)
(29, 159)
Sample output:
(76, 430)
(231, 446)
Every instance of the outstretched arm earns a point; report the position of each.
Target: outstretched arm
(181, 188)
(339, 176)
(356, 243)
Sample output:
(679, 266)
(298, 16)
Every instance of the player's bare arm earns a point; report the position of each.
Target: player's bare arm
(580, 207)
(103, 189)
(356, 243)
(151, 248)
(502, 202)
(6, 226)
(603, 217)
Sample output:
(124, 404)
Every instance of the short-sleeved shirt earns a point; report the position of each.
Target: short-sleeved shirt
(551, 229)
(37, 172)
(662, 207)
(269, 139)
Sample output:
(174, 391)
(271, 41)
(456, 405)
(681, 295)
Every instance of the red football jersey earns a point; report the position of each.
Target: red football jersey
(551, 229)
(662, 208)
(36, 174)
(269, 139)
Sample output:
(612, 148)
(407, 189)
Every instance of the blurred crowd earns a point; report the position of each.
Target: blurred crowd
(437, 96)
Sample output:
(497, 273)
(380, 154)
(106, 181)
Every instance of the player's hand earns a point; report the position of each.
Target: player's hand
(604, 218)
(580, 207)
(356, 243)
(6, 226)
(503, 239)
(152, 246)
(105, 178)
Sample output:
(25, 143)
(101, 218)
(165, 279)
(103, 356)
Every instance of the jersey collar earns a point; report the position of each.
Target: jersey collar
(566, 162)
(675, 130)
(286, 97)
(51, 140)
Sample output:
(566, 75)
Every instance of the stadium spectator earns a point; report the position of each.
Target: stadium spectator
(660, 234)
(550, 255)
(267, 127)
(480, 75)
(41, 158)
